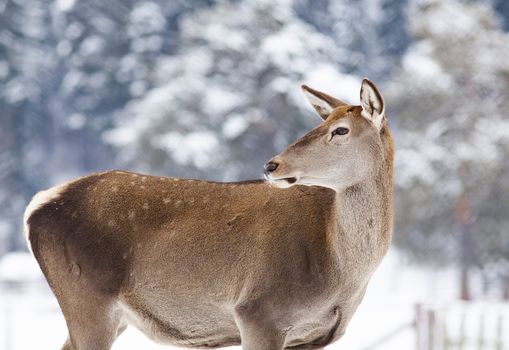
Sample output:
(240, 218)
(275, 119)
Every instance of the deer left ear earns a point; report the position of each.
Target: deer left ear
(321, 102)
(372, 102)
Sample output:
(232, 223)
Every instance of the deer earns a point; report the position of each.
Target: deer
(270, 264)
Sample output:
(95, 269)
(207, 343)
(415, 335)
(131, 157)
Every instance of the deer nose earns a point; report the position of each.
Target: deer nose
(270, 167)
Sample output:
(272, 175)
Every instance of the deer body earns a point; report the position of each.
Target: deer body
(204, 264)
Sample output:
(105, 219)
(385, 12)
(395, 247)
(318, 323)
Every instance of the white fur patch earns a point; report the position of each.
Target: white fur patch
(39, 200)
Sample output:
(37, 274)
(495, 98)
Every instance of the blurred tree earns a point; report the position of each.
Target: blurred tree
(65, 68)
(370, 35)
(230, 93)
(451, 98)
(502, 8)
(24, 58)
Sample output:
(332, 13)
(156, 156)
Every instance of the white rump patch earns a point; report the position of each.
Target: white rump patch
(40, 199)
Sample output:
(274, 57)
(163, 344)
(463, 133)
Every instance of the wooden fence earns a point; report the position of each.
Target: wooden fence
(462, 326)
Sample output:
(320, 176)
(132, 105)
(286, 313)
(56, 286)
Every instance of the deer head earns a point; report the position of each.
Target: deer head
(345, 149)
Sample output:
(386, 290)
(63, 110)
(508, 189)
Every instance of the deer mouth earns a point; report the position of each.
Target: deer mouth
(282, 182)
(290, 180)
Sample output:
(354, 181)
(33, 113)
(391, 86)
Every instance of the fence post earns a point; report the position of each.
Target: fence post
(500, 325)
(431, 329)
(481, 331)
(461, 343)
(418, 327)
(445, 333)
(7, 320)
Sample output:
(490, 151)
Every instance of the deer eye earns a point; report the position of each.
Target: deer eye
(340, 131)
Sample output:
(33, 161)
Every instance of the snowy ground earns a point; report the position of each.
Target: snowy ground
(31, 318)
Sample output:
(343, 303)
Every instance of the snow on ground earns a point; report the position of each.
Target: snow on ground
(19, 267)
(30, 317)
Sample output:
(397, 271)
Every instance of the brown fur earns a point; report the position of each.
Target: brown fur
(205, 264)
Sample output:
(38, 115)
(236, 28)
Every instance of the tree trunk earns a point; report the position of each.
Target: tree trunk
(506, 289)
(466, 251)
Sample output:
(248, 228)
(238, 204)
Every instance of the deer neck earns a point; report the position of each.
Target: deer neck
(363, 219)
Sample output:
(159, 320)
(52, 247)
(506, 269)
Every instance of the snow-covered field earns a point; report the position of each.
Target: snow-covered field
(30, 318)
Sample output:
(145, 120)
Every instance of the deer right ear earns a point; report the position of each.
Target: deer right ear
(323, 103)
(372, 102)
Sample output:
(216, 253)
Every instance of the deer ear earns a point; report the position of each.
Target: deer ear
(323, 103)
(372, 102)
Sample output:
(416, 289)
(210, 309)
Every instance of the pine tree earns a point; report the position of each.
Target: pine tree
(370, 35)
(450, 96)
(24, 47)
(66, 67)
(230, 93)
